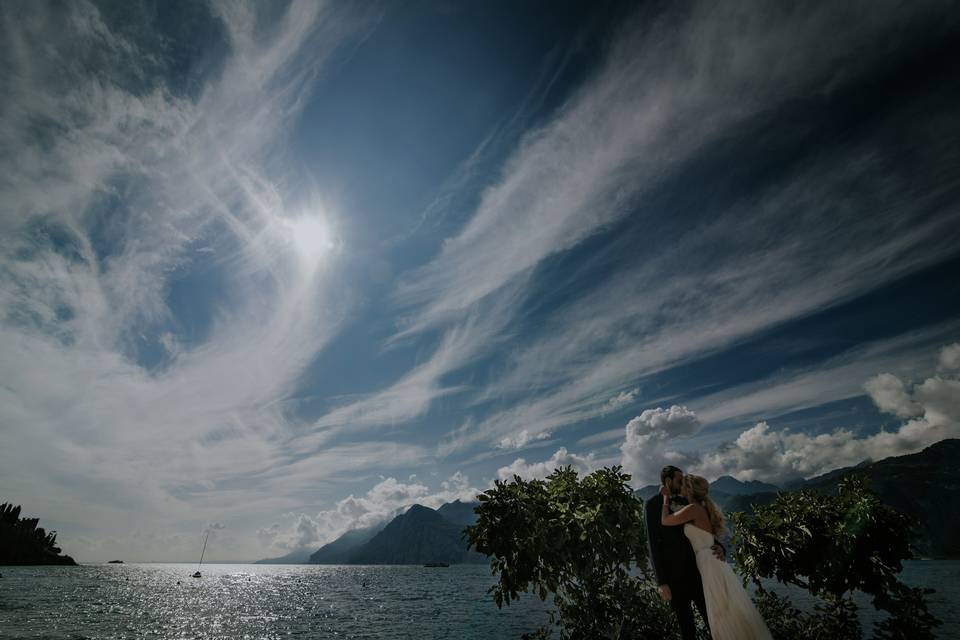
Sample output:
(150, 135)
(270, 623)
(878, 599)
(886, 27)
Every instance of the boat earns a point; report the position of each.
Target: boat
(436, 564)
(197, 572)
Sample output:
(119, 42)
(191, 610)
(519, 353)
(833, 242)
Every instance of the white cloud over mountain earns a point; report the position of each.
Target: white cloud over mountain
(890, 395)
(384, 500)
(583, 464)
(931, 410)
(760, 453)
(649, 436)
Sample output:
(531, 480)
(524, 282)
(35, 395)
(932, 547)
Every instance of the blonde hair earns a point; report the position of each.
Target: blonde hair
(698, 490)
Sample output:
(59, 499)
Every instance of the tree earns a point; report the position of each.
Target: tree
(23, 542)
(832, 545)
(577, 540)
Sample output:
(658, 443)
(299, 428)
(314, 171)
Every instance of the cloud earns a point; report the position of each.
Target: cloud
(950, 356)
(657, 99)
(660, 104)
(837, 378)
(759, 453)
(521, 439)
(890, 395)
(622, 399)
(411, 396)
(117, 183)
(645, 449)
(384, 500)
(562, 458)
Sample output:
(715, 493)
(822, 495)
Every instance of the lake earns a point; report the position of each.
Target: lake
(305, 601)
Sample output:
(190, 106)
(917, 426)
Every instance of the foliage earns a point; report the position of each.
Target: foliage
(832, 545)
(827, 622)
(23, 542)
(576, 539)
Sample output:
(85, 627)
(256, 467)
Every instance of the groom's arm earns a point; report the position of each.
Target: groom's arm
(719, 551)
(655, 537)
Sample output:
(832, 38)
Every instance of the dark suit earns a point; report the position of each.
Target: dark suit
(676, 566)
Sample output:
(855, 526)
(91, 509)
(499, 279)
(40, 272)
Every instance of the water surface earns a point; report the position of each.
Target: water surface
(297, 601)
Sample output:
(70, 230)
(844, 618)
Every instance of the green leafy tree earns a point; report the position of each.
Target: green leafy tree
(832, 545)
(577, 540)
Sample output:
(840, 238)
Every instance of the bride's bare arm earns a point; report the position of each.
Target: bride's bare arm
(668, 519)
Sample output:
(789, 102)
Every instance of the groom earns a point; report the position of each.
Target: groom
(673, 558)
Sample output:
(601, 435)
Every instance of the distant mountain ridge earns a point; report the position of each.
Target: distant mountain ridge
(721, 490)
(459, 513)
(297, 556)
(924, 485)
(341, 550)
(420, 535)
(733, 487)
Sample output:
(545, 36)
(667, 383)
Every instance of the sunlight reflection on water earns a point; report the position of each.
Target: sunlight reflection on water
(282, 601)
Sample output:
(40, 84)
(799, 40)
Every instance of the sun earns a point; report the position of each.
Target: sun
(311, 236)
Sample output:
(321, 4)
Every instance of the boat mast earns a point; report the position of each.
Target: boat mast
(204, 549)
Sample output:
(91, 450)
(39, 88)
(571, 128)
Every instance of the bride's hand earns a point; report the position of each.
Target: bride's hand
(665, 492)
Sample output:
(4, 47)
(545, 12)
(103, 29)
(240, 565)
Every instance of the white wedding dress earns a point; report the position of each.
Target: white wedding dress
(730, 612)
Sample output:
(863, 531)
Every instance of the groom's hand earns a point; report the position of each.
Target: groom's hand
(665, 592)
(718, 553)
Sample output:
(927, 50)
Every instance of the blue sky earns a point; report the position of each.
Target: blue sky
(281, 269)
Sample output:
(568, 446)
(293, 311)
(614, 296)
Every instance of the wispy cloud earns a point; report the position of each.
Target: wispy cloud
(83, 288)
(839, 378)
(412, 395)
(522, 439)
(796, 246)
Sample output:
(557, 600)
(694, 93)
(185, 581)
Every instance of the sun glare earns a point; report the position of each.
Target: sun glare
(311, 236)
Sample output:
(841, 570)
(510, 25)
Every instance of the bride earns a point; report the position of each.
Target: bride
(730, 612)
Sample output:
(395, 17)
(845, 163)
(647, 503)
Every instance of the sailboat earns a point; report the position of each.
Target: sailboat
(197, 573)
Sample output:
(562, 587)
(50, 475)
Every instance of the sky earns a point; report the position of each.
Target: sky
(277, 270)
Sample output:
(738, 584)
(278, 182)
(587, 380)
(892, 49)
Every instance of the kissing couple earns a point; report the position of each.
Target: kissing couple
(683, 525)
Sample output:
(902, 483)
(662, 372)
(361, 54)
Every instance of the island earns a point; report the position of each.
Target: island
(22, 542)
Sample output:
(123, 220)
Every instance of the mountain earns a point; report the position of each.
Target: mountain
(340, 550)
(419, 536)
(297, 556)
(747, 502)
(645, 493)
(721, 489)
(459, 513)
(835, 474)
(924, 485)
(23, 542)
(731, 486)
